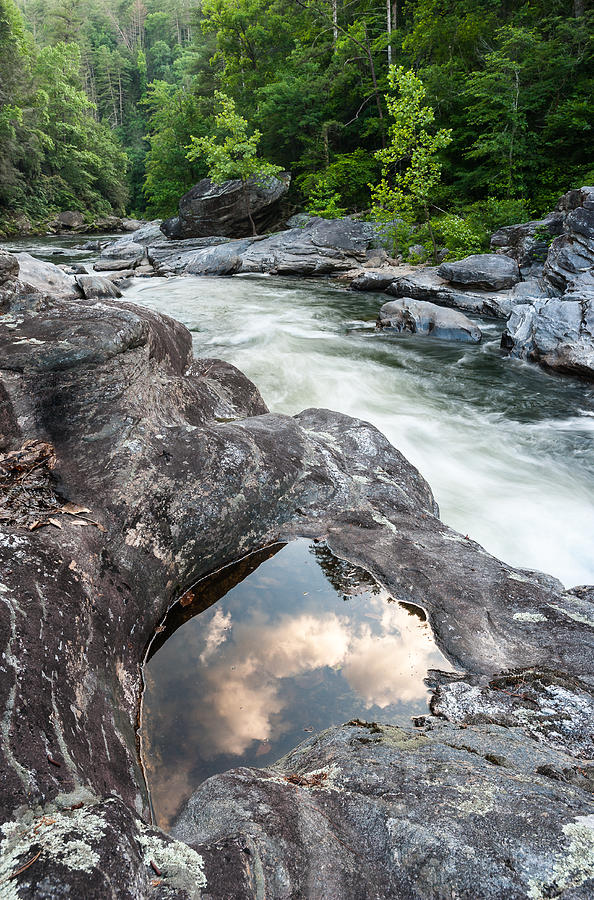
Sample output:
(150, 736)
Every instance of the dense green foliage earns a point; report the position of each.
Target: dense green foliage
(511, 80)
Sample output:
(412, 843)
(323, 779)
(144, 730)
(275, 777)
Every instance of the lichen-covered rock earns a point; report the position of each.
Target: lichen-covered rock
(419, 317)
(367, 811)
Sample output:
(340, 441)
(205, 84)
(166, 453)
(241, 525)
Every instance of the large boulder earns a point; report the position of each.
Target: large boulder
(96, 287)
(70, 220)
(210, 208)
(367, 810)
(128, 471)
(46, 277)
(428, 319)
(486, 271)
(557, 333)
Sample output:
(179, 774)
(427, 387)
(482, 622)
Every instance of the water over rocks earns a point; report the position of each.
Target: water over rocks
(159, 469)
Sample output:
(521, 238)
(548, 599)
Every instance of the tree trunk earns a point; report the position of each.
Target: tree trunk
(389, 29)
(335, 21)
(247, 206)
(578, 8)
(428, 220)
(375, 87)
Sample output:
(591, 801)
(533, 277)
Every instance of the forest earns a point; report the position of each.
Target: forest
(100, 101)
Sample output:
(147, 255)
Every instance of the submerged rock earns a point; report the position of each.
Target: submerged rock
(210, 208)
(419, 317)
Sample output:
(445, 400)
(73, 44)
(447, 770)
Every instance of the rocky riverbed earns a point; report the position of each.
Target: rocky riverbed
(539, 276)
(130, 469)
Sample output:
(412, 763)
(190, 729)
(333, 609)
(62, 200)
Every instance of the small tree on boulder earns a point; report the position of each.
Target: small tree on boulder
(411, 168)
(233, 153)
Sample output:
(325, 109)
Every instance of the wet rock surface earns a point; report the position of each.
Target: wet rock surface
(230, 209)
(128, 470)
(418, 317)
(318, 247)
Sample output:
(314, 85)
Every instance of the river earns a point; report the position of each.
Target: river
(506, 447)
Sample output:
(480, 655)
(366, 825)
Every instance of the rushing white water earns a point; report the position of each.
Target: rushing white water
(506, 447)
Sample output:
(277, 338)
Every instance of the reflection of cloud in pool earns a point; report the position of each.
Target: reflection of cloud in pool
(216, 633)
(243, 697)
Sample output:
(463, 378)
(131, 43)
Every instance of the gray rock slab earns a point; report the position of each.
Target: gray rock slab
(486, 271)
(367, 811)
(426, 284)
(94, 286)
(427, 319)
(46, 277)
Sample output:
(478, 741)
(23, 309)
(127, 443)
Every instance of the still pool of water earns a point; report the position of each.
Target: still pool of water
(249, 668)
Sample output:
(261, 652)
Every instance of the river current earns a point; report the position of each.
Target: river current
(507, 448)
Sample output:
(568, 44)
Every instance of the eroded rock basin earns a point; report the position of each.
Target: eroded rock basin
(299, 641)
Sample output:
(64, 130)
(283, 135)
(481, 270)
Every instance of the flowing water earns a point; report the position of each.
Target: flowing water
(507, 448)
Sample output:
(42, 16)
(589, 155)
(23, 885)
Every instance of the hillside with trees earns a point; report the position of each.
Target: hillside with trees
(103, 103)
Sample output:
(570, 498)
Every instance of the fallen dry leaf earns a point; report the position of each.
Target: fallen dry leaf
(55, 522)
(73, 510)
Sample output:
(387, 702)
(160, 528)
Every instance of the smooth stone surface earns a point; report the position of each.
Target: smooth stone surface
(427, 319)
(375, 281)
(210, 208)
(94, 286)
(486, 271)
(46, 277)
(125, 248)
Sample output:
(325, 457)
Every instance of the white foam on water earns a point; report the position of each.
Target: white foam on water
(506, 448)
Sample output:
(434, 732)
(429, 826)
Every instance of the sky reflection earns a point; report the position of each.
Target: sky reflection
(303, 643)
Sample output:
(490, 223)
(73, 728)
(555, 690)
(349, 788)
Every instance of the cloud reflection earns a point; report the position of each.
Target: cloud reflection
(243, 694)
